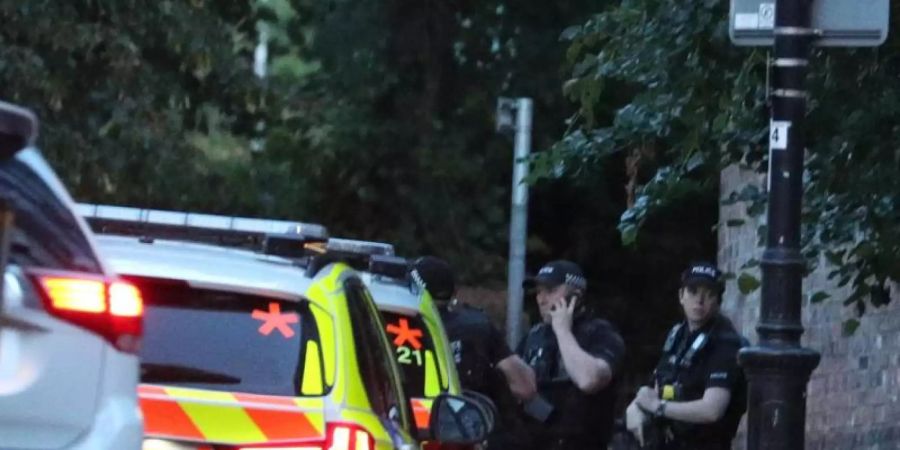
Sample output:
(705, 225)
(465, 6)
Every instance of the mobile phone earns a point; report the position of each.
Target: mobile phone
(538, 408)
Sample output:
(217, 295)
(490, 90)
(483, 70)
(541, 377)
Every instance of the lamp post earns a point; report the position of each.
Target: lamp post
(778, 368)
(514, 116)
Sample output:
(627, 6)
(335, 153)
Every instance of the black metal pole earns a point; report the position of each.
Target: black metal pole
(778, 368)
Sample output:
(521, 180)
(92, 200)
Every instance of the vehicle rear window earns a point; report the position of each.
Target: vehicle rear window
(226, 341)
(45, 233)
(371, 353)
(413, 347)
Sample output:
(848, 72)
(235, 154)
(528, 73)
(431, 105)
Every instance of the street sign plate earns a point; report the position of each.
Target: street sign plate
(842, 23)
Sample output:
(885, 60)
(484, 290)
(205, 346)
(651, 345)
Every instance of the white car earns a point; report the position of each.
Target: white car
(69, 330)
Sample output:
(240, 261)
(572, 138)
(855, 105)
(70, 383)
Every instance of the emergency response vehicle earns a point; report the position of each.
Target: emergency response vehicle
(414, 327)
(248, 349)
(69, 329)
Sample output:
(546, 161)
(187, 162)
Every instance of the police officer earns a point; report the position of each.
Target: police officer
(478, 346)
(699, 394)
(576, 359)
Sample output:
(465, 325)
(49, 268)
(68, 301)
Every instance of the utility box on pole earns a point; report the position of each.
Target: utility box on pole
(836, 23)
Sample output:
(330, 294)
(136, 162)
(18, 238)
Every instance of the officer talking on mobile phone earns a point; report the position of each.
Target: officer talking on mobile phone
(576, 360)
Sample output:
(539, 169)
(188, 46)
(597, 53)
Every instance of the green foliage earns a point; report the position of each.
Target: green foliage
(747, 283)
(119, 85)
(376, 118)
(819, 297)
(663, 74)
(402, 144)
(849, 327)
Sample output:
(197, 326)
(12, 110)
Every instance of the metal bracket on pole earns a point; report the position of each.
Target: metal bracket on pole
(797, 31)
(790, 62)
(789, 93)
(768, 79)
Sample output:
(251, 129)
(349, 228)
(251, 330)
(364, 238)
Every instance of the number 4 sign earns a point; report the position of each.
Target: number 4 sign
(778, 134)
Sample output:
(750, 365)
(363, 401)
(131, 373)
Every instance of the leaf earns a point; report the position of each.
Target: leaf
(735, 222)
(835, 258)
(756, 209)
(748, 283)
(864, 250)
(762, 233)
(695, 162)
(880, 296)
(570, 33)
(850, 326)
(629, 235)
(819, 297)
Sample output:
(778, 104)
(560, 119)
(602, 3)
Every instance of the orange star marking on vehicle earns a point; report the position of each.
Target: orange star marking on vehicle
(275, 319)
(405, 334)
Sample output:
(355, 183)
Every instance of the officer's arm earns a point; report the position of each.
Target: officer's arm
(519, 376)
(723, 377)
(589, 373)
(708, 409)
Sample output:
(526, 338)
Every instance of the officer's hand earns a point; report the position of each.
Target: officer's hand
(634, 422)
(561, 314)
(647, 398)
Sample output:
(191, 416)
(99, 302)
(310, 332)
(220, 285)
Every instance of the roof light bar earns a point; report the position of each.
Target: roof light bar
(389, 266)
(192, 226)
(363, 248)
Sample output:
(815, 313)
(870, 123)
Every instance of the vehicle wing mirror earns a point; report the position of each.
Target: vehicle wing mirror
(486, 403)
(459, 420)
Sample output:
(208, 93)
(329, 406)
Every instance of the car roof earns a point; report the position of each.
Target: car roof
(205, 266)
(391, 294)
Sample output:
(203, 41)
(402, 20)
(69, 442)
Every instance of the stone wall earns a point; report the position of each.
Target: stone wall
(854, 394)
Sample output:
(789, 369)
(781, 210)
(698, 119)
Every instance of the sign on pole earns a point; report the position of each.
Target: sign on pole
(838, 23)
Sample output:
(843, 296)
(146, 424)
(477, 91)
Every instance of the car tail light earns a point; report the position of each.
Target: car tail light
(339, 436)
(125, 300)
(113, 310)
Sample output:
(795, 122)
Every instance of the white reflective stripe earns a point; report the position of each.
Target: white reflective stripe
(340, 439)
(362, 440)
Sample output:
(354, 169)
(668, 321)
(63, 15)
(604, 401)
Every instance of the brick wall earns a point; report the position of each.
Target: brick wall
(854, 395)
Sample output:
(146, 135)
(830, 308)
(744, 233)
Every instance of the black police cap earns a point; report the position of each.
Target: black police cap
(703, 274)
(556, 273)
(437, 276)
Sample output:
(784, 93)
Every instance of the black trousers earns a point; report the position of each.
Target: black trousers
(685, 445)
(568, 443)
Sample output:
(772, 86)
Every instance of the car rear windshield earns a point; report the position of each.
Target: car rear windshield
(225, 341)
(413, 347)
(45, 233)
